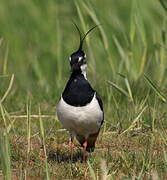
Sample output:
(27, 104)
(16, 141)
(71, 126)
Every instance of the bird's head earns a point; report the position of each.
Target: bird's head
(78, 58)
(78, 61)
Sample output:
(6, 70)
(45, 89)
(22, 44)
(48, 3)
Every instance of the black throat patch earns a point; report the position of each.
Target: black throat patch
(78, 91)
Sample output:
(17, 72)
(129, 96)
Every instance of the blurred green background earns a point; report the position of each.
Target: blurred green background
(37, 37)
(127, 65)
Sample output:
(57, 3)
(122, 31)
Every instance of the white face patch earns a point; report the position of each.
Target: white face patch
(83, 69)
(70, 58)
(80, 58)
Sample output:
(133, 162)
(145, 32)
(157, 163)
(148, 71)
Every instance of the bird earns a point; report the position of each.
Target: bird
(80, 108)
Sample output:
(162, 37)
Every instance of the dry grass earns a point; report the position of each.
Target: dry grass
(128, 155)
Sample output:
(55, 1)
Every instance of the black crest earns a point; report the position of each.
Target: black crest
(78, 58)
(80, 35)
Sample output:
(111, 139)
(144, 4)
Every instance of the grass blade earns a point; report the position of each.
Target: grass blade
(5, 155)
(143, 61)
(119, 89)
(135, 121)
(95, 19)
(128, 86)
(43, 143)
(122, 53)
(5, 150)
(9, 88)
(157, 91)
(5, 60)
(92, 173)
(104, 170)
(132, 24)
(163, 4)
(28, 135)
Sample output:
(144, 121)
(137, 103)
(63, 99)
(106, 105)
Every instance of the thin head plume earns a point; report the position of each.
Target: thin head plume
(80, 35)
(82, 40)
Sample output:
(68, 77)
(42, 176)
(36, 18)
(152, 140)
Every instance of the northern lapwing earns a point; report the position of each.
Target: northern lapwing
(80, 108)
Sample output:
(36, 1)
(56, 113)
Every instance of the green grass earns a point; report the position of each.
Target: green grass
(126, 64)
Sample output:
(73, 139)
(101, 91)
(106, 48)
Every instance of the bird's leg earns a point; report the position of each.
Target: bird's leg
(85, 153)
(71, 145)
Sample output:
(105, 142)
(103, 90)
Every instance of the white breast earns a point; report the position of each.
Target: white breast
(83, 120)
